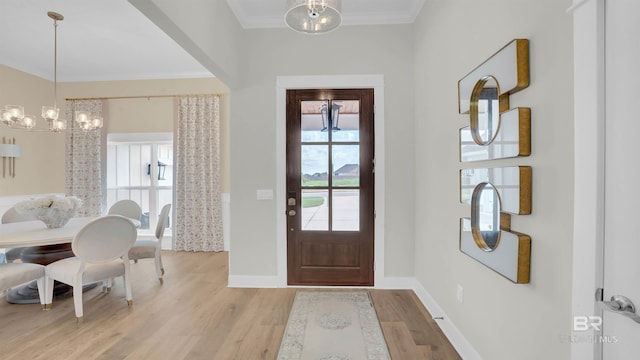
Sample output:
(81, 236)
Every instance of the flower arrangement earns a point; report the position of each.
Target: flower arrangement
(54, 210)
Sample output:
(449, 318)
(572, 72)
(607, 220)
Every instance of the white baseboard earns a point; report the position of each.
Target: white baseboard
(396, 283)
(459, 342)
(226, 217)
(248, 281)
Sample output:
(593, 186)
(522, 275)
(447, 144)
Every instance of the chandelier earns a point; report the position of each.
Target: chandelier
(313, 16)
(14, 116)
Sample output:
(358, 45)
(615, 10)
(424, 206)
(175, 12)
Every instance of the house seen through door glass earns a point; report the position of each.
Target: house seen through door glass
(140, 168)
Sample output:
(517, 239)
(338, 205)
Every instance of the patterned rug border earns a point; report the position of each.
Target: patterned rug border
(293, 340)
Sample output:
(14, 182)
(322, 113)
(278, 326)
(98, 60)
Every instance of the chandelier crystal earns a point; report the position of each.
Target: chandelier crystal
(313, 16)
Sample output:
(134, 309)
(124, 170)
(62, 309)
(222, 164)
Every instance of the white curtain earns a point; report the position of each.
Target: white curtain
(83, 167)
(198, 209)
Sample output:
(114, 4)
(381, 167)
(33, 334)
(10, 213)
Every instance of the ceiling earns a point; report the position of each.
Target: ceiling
(111, 40)
(255, 14)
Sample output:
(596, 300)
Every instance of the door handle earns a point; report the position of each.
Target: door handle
(622, 305)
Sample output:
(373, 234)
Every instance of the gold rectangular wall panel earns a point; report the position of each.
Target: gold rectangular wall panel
(511, 258)
(510, 66)
(512, 183)
(513, 139)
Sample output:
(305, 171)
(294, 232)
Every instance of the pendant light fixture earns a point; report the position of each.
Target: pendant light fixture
(313, 16)
(14, 116)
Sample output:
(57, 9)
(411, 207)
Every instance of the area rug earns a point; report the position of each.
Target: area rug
(333, 325)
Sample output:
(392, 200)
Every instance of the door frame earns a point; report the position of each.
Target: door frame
(589, 141)
(284, 83)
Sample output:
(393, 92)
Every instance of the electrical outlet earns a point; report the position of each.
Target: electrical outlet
(460, 293)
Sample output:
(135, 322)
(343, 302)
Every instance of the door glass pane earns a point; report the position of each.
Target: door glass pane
(346, 210)
(315, 210)
(314, 122)
(346, 120)
(346, 165)
(315, 165)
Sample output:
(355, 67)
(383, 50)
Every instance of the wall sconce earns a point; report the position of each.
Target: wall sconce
(9, 151)
(162, 167)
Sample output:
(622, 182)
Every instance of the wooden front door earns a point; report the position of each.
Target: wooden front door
(330, 187)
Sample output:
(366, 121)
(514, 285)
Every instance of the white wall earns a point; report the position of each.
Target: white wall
(206, 29)
(500, 319)
(41, 167)
(385, 50)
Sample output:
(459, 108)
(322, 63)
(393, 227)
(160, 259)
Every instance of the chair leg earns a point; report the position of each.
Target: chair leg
(161, 265)
(77, 300)
(48, 292)
(159, 269)
(127, 288)
(42, 291)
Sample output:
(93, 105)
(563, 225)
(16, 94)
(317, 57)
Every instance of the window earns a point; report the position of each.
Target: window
(140, 168)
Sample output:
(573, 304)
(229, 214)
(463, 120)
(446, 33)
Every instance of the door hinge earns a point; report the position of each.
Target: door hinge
(373, 162)
(374, 266)
(599, 294)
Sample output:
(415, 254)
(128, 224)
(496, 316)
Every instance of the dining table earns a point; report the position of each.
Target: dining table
(36, 233)
(42, 245)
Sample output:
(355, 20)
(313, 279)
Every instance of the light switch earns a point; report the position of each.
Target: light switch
(264, 194)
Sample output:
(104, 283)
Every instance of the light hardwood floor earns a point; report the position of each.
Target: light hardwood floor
(193, 316)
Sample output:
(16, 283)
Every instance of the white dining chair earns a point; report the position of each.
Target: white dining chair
(12, 216)
(127, 208)
(14, 274)
(102, 253)
(150, 249)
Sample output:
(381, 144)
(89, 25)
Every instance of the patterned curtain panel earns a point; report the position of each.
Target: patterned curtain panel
(198, 209)
(83, 175)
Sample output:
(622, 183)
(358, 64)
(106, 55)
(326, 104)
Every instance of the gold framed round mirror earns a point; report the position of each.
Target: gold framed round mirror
(484, 110)
(485, 216)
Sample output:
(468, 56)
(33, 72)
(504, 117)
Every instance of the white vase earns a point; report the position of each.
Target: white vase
(54, 217)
